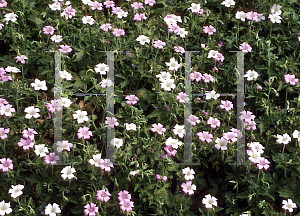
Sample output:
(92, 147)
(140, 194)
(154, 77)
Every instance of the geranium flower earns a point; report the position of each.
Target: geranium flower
(63, 145)
(3, 4)
(21, 58)
(48, 30)
(103, 195)
(251, 74)
(182, 97)
(209, 29)
(169, 150)
(118, 32)
(39, 85)
(221, 144)
(88, 19)
(51, 210)
(296, 135)
(106, 83)
(150, 2)
(143, 39)
(132, 99)
(109, 4)
(6, 164)
(285, 139)
(173, 142)
(188, 187)
(3, 133)
(10, 17)
(179, 130)
(139, 17)
(105, 164)
(91, 209)
(240, 15)
(212, 94)
(84, 132)
(163, 76)
(205, 136)
(55, 6)
(56, 38)
(245, 47)
(26, 143)
(290, 79)
(158, 128)
(189, 173)
(288, 205)
(81, 116)
(111, 121)
(168, 84)
(41, 150)
(51, 158)
(179, 49)
(96, 5)
(65, 49)
(275, 18)
(173, 64)
(101, 68)
(96, 159)
(262, 163)
(126, 205)
(12, 69)
(158, 44)
(105, 27)
(5, 208)
(228, 3)
(209, 200)
(192, 119)
(227, 105)
(131, 126)
(117, 142)
(65, 75)
(67, 172)
(15, 191)
(275, 9)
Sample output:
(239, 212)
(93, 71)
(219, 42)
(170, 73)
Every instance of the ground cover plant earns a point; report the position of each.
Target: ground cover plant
(151, 37)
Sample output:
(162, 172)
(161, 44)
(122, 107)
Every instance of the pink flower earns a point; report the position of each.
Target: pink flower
(158, 128)
(192, 119)
(90, 209)
(105, 164)
(51, 159)
(158, 176)
(116, 10)
(131, 99)
(65, 49)
(29, 133)
(259, 87)
(70, 11)
(3, 4)
(103, 195)
(179, 49)
(96, 5)
(3, 133)
(136, 5)
(290, 79)
(230, 135)
(169, 150)
(139, 17)
(118, 32)
(207, 78)
(220, 44)
(159, 44)
(249, 15)
(109, 4)
(105, 27)
(48, 30)
(126, 205)
(262, 163)
(111, 122)
(6, 164)
(84, 132)
(247, 115)
(199, 12)
(26, 143)
(205, 136)
(182, 97)
(196, 75)
(219, 57)
(227, 105)
(245, 47)
(188, 187)
(209, 29)
(150, 2)
(6, 110)
(173, 28)
(164, 178)
(124, 195)
(214, 122)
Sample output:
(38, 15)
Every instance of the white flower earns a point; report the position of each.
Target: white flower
(10, 17)
(209, 200)
(31, 111)
(133, 173)
(5, 208)
(86, 2)
(173, 64)
(63, 145)
(168, 84)
(117, 142)
(96, 159)
(256, 146)
(41, 150)
(275, 18)
(16, 190)
(164, 76)
(221, 144)
(106, 82)
(179, 130)
(88, 19)
(189, 173)
(57, 104)
(288, 205)
(275, 9)
(52, 210)
(254, 155)
(131, 126)
(170, 21)
(173, 142)
(228, 3)
(143, 39)
(251, 74)
(194, 7)
(67, 172)
(102, 68)
(55, 6)
(285, 139)
(56, 38)
(211, 94)
(65, 75)
(296, 135)
(39, 85)
(182, 32)
(66, 102)
(240, 15)
(122, 14)
(212, 54)
(12, 69)
(81, 116)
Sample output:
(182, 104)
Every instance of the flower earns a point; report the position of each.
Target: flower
(158, 44)
(254, 155)
(6, 110)
(106, 83)
(26, 143)
(3, 133)
(109, 4)
(41, 150)
(12, 69)
(64, 145)
(181, 32)
(65, 75)
(209, 200)
(188, 187)
(65, 49)
(173, 64)
(221, 144)
(55, 6)
(6, 164)
(262, 163)
(240, 15)
(285, 139)
(168, 84)
(21, 58)
(67, 172)
(39, 85)
(111, 121)
(84, 132)
(139, 17)
(124, 195)
(5, 208)
(214, 122)
(288, 205)
(182, 97)
(51, 158)
(52, 210)
(133, 173)
(88, 19)
(3, 4)
(290, 79)
(150, 2)
(10, 17)
(86, 2)
(259, 87)
(16, 190)
(105, 27)
(96, 5)
(56, 38)
(296, 135)
(96, 159)
(189, 173)
(163, 76)
(173, 142)
(91, 209)
(158, 128)
(126, 205)
(143, 39)
(117, 142)
(256, 146)
(275, 18)
(103, 195)
(205, 136)
(251, 74)
(179, 130)
(245, 47)
(66, 102)
(192, 119)
(81, 116)
(194, 7)
(29, 133)
(169, 150)
(275, 9)
(179, 49)
(137, 5)
(228, 3)
(207, 78)
(131, 99)
(101, 68)
(209, 29)
(118, 32)
(212, 94)
(227, 105)
(131, 126)
(105, 164)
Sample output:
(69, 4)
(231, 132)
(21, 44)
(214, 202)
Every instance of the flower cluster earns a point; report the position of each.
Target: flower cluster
(275, 14)
(216, 55)
(125, 203)
(254, 152)
(171, 20)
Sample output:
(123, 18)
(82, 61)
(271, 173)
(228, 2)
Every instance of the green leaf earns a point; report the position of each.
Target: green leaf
(78, 55)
